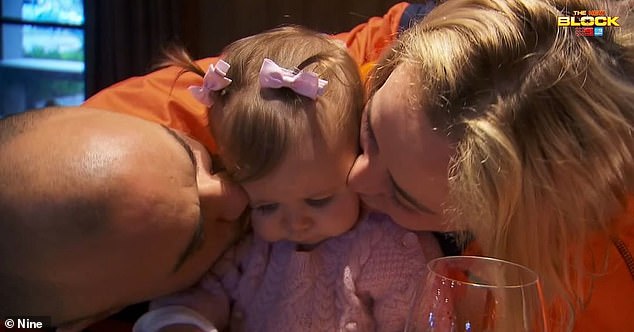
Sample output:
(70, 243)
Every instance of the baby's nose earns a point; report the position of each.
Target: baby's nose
(299, 224)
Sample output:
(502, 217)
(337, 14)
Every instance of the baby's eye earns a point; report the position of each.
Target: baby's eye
(265, 208)
(320, 202)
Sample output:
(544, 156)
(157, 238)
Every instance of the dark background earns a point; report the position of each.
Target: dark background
(126, 38)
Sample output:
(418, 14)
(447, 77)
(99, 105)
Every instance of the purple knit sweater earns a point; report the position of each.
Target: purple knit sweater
(359, 281)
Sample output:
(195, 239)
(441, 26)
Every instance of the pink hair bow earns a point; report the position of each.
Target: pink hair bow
(305, 83)
(215, 80)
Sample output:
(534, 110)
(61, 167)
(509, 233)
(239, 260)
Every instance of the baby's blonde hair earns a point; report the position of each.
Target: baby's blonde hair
(256, 127)
(542, 120)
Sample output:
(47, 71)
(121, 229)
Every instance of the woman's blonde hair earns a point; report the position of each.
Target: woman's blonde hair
(255, 127)
(542, 121)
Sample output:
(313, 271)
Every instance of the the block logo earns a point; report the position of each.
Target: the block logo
(588, 23)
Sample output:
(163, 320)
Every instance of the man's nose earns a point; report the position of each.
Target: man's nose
(235, 201)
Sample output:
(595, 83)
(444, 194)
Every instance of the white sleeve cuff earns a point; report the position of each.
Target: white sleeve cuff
(153, 321)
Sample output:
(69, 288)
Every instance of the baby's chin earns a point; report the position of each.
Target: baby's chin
(309, 244)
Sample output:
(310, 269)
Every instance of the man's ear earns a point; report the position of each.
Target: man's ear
(80, 325)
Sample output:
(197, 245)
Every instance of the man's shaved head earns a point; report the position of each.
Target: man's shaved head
(36, 148)
(97, 211)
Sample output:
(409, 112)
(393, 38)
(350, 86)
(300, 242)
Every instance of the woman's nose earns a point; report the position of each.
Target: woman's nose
(364, 177)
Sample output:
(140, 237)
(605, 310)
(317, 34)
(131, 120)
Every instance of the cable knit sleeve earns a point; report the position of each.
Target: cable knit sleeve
(211, 298)
(392, 266)
(206, 303)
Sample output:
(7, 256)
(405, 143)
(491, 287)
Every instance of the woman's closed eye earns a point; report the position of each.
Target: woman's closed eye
(265, 208)
(400, 202)
(368, 140)
(318, 202)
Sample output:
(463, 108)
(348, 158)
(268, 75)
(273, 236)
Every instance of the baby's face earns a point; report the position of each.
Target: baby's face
(305, 199)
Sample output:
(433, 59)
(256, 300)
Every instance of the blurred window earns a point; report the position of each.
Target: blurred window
(41, 54)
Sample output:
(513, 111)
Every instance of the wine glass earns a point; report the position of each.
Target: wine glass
(472, 293)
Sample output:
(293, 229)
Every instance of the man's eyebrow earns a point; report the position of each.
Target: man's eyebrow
(193, 244)
(181, 141)
(197, 237)
(409, 198)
